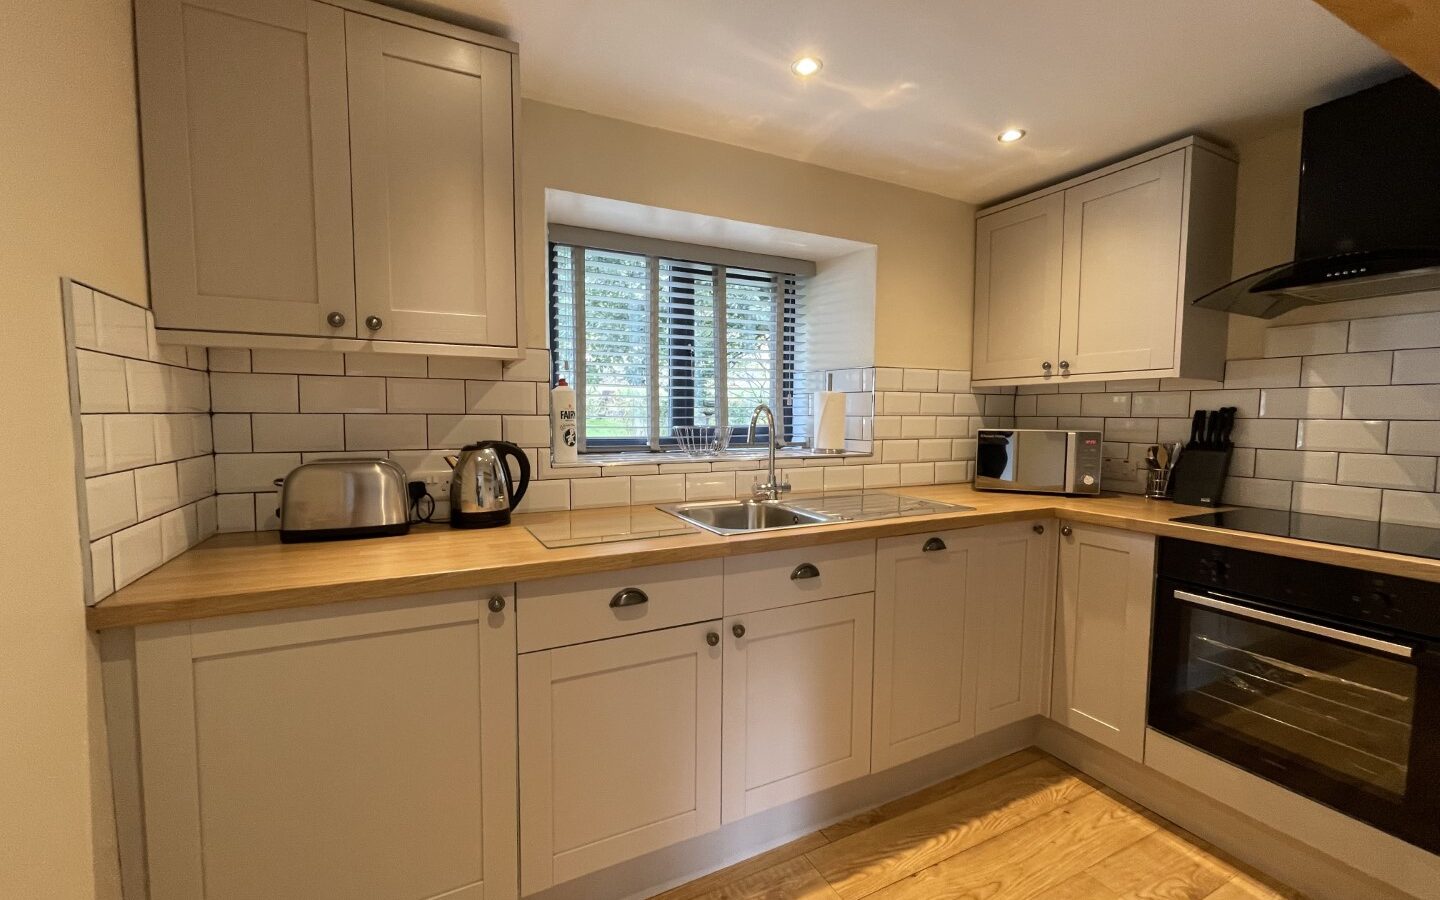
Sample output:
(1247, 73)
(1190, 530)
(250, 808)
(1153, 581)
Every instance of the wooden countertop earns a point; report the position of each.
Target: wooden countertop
(236, 573)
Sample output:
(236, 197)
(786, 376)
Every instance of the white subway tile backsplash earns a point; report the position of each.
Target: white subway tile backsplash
(1246, 402)
(1396, 332)
(699, 486)
(297, 362)
(453, 432)
(935, 404)
(244, 392)
(934, 450)
(102, 382)
(545, 496)
(920, 380)
(527, 431)
(844, 478)
(1406, 473)
(1341, 369)
(1333, 434)
(157, 490)
(272, 432)
(82, 316)
(954, 382)
(1416, 367)
(232, 432)
(1275, 434)
(364, 431)
(534, 367)
(394, 365)
(1408, 508)
(102, 570)
(120, 328)
(229, 359)
(129, 441)
(657, 489)
(899, 404)
(425, 395)
(1295, 465)
(92, 444)
(951, 472)
(1307, 340)
(110, 503)
(809, 480)
(149, 386)
(1418, 438)
(500, 397)
(888, 427)
(196, 478)
(1160, 404)
(966, 405)
(1396, 402)
(1263, 373)
(1336, 500)
(1260, 492)
(267, 512)
(881, 476)
(917, 426)
(917, 473)
(1058, 404)
(1143, 431)
(1300, 403)
(1104, 404)
(899, 451)
(342, 394)
(1133, 384)
(235, 512)
(249, 472)
(1001, 405)
(174, 435)
(179, 531)
(136, 550)
(889, 379)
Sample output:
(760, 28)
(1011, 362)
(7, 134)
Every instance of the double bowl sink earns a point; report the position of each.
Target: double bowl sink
(727, 517)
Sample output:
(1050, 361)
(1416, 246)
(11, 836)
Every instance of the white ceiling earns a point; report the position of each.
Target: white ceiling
(914, 91)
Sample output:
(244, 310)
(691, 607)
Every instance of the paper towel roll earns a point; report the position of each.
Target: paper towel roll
(827, 431)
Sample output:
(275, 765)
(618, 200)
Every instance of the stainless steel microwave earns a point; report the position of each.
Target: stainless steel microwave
(1041, 460)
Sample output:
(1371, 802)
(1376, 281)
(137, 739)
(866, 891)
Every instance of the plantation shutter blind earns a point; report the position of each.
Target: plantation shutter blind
(654, 341)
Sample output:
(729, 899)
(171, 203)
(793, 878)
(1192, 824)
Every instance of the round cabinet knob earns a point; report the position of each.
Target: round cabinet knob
(374, 323)
(336, 319)
(1066, 530)
(738, 630)
(1038, 529)
(497, 603)
(712, 639)
(1046, 365)
(1064, 367)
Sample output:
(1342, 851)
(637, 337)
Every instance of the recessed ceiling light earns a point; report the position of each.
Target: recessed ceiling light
(1010, 135)
(806, 66)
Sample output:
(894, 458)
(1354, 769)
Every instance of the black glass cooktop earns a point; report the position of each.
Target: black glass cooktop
(1407, 539)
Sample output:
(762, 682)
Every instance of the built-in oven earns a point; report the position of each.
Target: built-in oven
(1323, 679)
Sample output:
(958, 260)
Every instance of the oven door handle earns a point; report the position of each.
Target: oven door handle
(1259, 615)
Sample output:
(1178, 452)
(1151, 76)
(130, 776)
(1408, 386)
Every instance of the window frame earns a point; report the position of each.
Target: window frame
(787, 277)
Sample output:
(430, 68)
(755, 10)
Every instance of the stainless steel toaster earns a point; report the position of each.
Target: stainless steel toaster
(333, 499)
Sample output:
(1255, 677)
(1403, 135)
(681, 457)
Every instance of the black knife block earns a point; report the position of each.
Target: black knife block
(1199, 476)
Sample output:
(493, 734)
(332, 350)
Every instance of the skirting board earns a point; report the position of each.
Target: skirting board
(1290, 845)
(738, 841)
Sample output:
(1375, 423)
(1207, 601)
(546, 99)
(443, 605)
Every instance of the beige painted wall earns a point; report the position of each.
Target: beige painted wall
(69, 205)
(924, 278)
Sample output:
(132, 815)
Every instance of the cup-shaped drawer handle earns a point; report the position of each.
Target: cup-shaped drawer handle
(629, 597)
(804, 570)
(933, 545)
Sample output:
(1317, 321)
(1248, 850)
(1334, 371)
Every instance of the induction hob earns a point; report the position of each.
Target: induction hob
(1410, 540)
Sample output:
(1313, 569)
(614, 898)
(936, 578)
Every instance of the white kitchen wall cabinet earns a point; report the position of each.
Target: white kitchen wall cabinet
(619, 749)
(1012, 631)
(1092, 279)
(327, 175)
(363, 751)
(1102, 635)
(926, 589)
(796, 702)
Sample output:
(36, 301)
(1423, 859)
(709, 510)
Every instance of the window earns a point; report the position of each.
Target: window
(657, 335)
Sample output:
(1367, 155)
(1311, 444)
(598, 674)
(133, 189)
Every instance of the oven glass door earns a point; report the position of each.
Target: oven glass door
(1326, 712)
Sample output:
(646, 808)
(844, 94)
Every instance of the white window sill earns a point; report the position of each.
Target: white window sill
(649, 458)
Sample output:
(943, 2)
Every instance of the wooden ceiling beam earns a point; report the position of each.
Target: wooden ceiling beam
(1408, 30)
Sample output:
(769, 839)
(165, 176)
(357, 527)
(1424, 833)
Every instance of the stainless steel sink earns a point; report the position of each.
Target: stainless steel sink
(740, 516)
(744, 516)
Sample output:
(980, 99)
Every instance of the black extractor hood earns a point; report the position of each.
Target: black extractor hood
(1369, 218)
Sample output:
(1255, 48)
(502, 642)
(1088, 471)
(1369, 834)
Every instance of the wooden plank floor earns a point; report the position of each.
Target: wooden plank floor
(1025, 826)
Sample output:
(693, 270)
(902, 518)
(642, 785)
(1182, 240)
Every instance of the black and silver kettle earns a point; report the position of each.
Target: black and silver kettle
(482, 493)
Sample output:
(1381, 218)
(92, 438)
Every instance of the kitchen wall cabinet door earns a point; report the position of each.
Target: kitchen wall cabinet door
(1102, 635)
(1121, 269)
(1017, 289)
(619, 750)
(364, 751)
(1014, 618)
(433, 164)
(247, 165)
(796, 701)
(926, 590)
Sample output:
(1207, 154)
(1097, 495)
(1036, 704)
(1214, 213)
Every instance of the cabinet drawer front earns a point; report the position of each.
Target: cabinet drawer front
(579, 608)
(786, 577)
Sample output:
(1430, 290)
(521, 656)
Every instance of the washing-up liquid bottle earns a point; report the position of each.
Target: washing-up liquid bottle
(564, 427)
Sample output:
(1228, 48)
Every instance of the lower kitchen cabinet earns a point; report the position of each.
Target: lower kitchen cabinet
(356, 751)
(925, 588)
(1102, 635)
(796, 700)
(619, 749)
(1014, 623)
